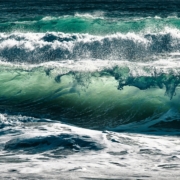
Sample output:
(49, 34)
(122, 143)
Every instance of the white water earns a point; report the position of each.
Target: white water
(57, 46)
(121, 155)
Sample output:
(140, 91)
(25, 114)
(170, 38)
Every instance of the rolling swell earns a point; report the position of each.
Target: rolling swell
(43, 47)
(96, 24)
(96, 99)
(62, 144)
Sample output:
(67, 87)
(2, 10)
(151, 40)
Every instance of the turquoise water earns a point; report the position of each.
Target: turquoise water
(91, 24)
(92, 98)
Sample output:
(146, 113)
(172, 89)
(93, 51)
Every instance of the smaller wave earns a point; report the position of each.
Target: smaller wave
(43, 47)
(95, 23)
(49, 137)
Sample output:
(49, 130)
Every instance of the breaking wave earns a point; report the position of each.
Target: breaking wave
(95, 23)
(43, 47)
(97, 98)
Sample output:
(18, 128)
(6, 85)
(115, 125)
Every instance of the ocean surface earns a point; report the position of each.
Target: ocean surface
(90, 89)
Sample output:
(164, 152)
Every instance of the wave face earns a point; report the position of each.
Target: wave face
(103, 96)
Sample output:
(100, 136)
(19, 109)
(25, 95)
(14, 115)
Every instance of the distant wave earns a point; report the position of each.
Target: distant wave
(43, 47)
(95, 23)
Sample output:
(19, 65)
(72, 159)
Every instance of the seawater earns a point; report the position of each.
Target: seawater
(89, 90)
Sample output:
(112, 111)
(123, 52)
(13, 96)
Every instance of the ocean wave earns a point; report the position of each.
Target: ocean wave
(43, 47)
(92, 23)
(100, 98)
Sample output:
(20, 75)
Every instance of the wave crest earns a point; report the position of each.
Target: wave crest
(40, 47)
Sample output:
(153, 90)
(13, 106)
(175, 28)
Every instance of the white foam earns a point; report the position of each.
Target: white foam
(94, 15)
(124, 155)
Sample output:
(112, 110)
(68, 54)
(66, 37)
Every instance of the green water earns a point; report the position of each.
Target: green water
(82, 98)
(95, 26)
